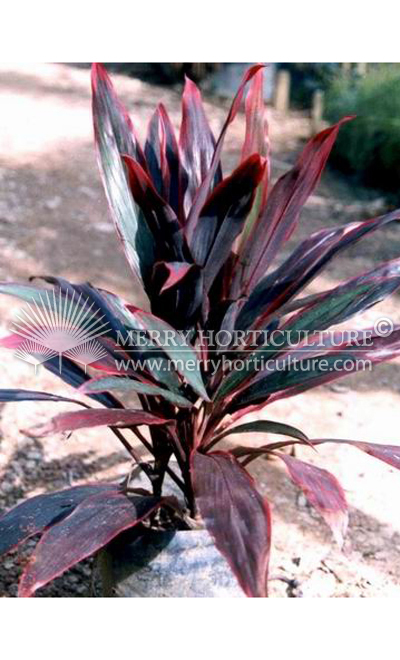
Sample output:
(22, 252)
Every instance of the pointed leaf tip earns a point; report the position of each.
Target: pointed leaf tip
(91, 526)
(323, 491)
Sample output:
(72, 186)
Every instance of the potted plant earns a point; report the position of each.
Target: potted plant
(203, 246)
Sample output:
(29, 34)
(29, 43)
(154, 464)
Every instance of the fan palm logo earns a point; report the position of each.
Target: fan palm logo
(58, 324)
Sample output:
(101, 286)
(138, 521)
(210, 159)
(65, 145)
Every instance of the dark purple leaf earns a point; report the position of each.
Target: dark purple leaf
(236, 516)
(7, 396)
(27, 292)
(223, 216)
(71, 373)
(155, 152)
(100, 303)
(181, 295)
(173, 161)
(162, 155)
(74, 375)
(37, 513)
(318, 372)
(329, 308)
(91, 526)
(341, 303)
(305, 367)
(84, 302)
(314, 371)
(160, 217)
(77, 302)
(306, 261)
(385, 278)
(119, 319)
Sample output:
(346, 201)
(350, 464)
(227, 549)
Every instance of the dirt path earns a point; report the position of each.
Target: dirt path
(54, 220)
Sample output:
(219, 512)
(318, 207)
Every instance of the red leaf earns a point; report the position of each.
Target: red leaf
(12, 341)
(104, 95)
(284, 204)
(93, 524)
(72, 421)
(387, 453)
(256, 137)
(176, 272)
(323, 491)
(205, 187)
(196, 142)
(236, 516)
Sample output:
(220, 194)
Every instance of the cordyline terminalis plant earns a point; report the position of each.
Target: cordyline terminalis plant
(202, 246)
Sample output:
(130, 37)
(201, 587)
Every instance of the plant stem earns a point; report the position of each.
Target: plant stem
(168, 470)
(143, 466)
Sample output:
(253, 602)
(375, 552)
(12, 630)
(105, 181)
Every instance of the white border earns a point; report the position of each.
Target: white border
(175, 30)
(199, 629)
(202, 30)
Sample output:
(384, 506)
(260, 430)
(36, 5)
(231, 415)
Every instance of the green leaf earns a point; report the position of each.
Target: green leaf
(113, 133)
(175, 345)
(330, 308)
(265, 426)
(110, 383)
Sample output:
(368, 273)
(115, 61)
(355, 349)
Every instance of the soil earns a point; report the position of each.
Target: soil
(54, 220)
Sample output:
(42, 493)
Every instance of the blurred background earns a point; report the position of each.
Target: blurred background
(54, 220)
(367, 150)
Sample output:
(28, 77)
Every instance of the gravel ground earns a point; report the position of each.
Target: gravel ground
(54, 220)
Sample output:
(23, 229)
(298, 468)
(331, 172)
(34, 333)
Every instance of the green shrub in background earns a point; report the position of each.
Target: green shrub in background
(369, 146)
(306, 78)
